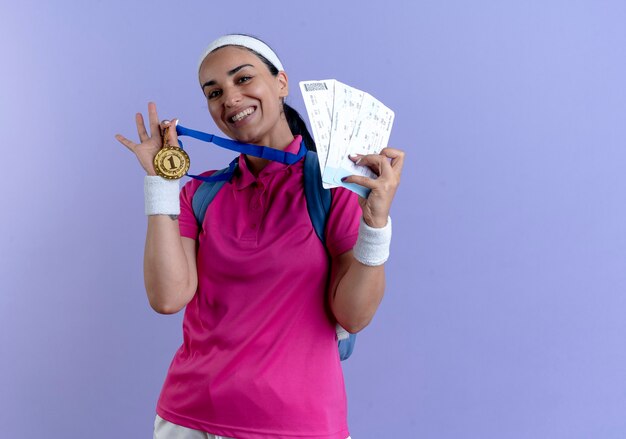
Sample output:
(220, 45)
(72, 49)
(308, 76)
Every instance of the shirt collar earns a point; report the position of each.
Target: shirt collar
(245, 177)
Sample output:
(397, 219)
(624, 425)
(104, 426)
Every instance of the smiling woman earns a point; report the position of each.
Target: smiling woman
(244, 98)
(262, 291)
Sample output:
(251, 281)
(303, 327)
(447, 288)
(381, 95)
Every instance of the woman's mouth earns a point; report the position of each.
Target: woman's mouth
(242, 115)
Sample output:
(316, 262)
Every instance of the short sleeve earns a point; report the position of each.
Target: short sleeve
(343, 221)
(187, 223)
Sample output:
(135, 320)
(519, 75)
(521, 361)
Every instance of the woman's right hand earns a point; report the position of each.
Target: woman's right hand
(150, 143)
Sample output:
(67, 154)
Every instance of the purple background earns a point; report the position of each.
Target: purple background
(505, 312)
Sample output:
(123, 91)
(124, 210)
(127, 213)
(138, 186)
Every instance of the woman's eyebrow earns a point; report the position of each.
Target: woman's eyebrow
(229, 73)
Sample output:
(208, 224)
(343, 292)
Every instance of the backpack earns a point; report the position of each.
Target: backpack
(318, 201)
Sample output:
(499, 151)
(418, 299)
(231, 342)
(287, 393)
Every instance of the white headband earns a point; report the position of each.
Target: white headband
(245, 41)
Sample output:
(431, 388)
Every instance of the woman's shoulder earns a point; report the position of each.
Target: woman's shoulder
(189, 188)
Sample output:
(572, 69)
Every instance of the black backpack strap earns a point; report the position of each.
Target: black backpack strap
(318, 199)
(206, 192)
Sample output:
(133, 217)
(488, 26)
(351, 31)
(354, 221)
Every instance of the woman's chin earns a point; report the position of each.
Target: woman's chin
(245, 139)
(251, 138)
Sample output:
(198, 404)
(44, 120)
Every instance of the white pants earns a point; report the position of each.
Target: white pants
(166, 430)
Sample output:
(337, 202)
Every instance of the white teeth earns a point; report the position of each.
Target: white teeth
(237, 117)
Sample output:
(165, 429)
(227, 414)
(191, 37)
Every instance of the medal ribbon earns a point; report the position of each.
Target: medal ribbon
(264, 152)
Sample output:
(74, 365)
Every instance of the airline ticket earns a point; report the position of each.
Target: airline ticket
(345, 121)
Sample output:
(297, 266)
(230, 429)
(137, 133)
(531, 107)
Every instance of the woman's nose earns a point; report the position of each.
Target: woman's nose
(232, 97)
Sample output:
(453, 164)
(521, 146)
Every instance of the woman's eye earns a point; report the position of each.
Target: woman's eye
(245, 79)
(213, 94)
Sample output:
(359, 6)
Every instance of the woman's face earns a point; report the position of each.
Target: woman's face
(244, 99)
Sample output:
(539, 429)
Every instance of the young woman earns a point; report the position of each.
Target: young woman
(262, 293)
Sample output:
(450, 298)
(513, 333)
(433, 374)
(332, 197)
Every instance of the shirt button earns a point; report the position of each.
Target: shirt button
(254, 226)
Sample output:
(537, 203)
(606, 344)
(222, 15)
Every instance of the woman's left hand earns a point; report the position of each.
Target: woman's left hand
(377, 204)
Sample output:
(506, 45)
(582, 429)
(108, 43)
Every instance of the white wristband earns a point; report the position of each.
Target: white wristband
(342, 334)
(372, 245)
(161, 195)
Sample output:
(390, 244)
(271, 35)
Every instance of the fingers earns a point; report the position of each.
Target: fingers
(155, 130)
(154, 120)
(396, 156)
(387, 165)
(141, 128)
(369, 183)
(373, 161)
(380, 163)
(127, 143)
(171, 133)
(164, 124)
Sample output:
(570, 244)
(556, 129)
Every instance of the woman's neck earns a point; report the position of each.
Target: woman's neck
(281, 141)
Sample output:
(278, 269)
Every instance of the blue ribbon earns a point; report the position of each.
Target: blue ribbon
(264, 152)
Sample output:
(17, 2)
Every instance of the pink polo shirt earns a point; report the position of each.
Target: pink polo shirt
(259, 357)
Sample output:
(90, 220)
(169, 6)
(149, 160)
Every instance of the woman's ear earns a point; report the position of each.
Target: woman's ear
(283, 84)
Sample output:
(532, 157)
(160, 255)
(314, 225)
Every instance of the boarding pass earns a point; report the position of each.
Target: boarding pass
(345, 121)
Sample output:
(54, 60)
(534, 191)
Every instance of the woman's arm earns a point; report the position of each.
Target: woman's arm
(169, 260)
(356, 289)
(169, 266)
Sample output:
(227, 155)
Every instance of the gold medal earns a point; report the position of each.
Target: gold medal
(171, 162)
